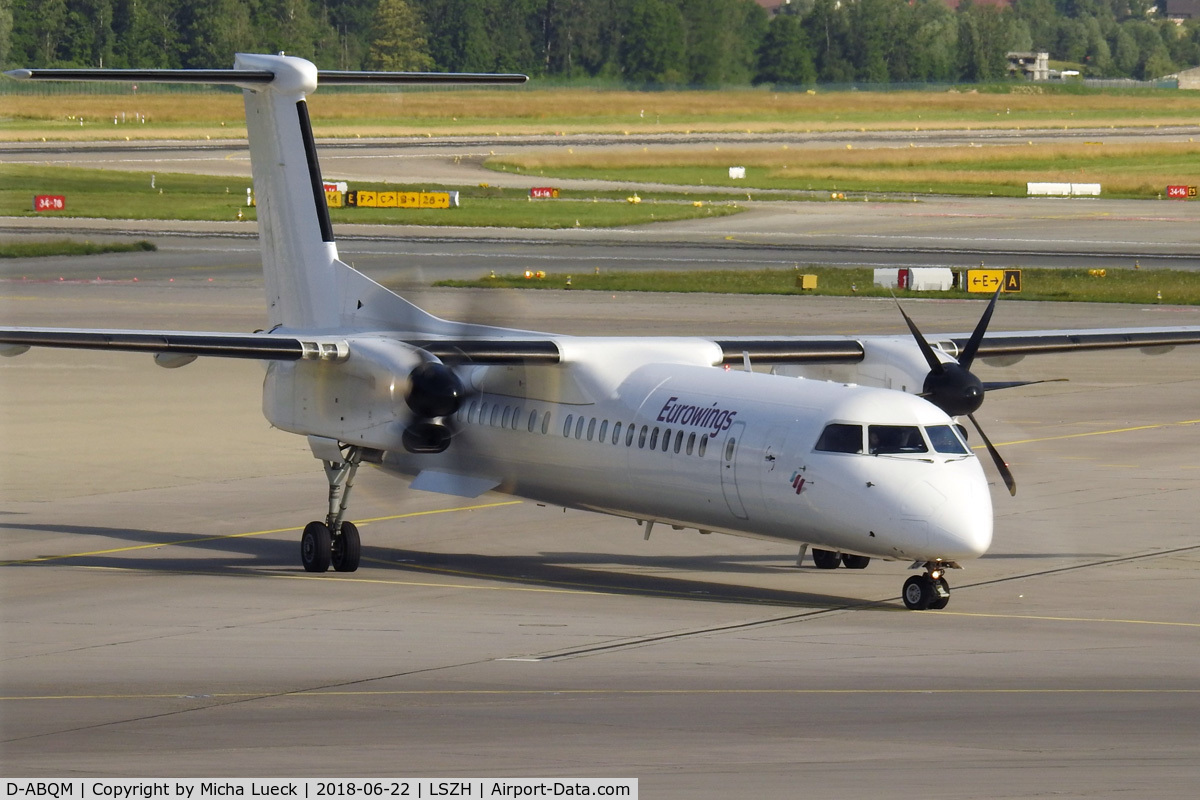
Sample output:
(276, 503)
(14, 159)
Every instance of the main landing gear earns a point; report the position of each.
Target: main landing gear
(335, 541)
(928, 591)
(831, 559)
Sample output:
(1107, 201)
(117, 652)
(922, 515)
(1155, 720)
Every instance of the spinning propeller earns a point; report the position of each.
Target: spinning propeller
(952, 387)
(436, 391)
(435, 394)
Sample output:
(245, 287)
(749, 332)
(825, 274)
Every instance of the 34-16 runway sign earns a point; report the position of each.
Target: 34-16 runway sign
(49, 202)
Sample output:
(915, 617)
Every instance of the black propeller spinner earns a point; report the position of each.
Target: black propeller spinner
(435, 394)
(953, 388)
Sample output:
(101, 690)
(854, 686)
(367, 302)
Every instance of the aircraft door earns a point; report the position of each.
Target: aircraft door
(729, 459)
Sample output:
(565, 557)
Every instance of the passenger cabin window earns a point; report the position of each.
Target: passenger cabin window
(895, 439)
(841, 438)
(945, 440)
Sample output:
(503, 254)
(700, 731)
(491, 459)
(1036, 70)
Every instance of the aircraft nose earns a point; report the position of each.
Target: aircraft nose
(964, 526)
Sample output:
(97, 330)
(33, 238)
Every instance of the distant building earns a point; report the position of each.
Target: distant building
(773, 7)
(1180, 11)
(1189, 78)
(1033, 66)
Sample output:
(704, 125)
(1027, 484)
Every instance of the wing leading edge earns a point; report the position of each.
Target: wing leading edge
(268, 347)
(851, 350)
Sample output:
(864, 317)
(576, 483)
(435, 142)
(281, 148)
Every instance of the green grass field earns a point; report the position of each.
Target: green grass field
(67, 247)
(57, 113)
(110, 194)
(1123, 170)
(1072, 285)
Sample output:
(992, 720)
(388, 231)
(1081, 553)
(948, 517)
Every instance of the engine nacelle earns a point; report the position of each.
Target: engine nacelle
(361, 399)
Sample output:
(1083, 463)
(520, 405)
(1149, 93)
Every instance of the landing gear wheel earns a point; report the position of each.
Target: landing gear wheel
(918, 592)
(940, 600)
(826, 559)
(316, 547)
(347, 548)
(855, 562)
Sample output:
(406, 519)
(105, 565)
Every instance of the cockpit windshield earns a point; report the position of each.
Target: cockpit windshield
(945, 440)
(892, 439)
(884, 440)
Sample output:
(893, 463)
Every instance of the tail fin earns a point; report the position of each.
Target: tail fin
(298, 250)
(308, 288)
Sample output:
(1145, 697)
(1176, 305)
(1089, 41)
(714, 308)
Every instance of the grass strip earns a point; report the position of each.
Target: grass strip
(1142, 170)
(67, 247)
(540, 109)
(1140, 286)
(110, 194)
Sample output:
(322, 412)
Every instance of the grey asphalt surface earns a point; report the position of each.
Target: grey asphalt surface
(154, 619)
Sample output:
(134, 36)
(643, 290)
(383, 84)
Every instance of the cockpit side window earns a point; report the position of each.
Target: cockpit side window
(945, 440)
(892, 439)
(841, 438)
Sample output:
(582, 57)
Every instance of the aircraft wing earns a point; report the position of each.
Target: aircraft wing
(852, 349)
(266, 346)
(184, 343)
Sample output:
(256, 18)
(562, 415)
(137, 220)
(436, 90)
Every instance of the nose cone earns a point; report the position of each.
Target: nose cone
(963, 526)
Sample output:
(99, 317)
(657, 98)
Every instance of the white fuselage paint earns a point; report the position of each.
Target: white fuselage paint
(713, 449)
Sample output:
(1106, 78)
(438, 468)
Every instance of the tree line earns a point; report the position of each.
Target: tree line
(636, 42)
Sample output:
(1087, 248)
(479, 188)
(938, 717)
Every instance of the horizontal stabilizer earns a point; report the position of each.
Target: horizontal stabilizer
(242, 77)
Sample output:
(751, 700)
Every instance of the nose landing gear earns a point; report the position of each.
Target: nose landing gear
(334, 542)
(928, 591)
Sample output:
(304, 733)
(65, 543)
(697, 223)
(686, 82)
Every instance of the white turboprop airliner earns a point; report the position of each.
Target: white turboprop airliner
(659, 430)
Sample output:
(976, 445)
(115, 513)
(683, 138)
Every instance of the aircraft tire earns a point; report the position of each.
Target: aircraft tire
(316, 547)
(918, 593)
(855, 562)
(826, 559)
(347, 549)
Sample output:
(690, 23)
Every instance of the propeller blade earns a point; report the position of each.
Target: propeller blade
(990, 385)
(968, 353)
(1001, 464)
(935, 365)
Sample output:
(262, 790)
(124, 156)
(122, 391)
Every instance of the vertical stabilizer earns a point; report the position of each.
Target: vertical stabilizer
(298, 250)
